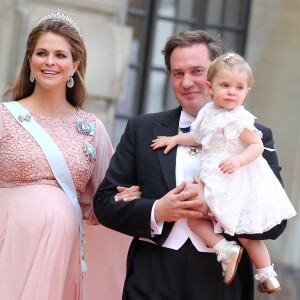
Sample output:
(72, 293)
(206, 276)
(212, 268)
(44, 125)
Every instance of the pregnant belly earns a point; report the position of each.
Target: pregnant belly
(31, 212)
(39, 243)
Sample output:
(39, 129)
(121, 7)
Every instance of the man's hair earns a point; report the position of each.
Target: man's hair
(187, 38)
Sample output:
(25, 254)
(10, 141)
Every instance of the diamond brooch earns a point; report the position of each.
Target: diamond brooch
(193, 151)
(26, 118)
(89, 151)
(87, 128)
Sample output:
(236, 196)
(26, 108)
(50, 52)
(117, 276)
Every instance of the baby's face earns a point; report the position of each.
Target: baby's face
(229, 87)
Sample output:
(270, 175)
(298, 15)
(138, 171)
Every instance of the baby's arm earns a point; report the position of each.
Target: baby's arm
(170, 142)
(254, 148)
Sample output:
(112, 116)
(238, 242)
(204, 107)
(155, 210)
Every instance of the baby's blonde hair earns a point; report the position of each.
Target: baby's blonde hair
(229, 60)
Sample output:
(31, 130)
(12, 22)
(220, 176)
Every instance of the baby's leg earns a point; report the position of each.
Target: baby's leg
(228, 253)
(258, 252)
(260, 257)
(205, 230)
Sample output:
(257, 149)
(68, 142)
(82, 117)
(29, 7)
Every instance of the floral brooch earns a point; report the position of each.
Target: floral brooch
(87, 128)
(89, 151)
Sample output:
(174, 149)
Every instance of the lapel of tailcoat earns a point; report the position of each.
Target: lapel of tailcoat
(168, 127)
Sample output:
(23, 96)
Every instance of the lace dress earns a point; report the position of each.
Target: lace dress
(39, 230)
(251, 200)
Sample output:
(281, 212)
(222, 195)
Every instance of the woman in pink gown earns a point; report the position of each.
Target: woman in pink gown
(39, 230)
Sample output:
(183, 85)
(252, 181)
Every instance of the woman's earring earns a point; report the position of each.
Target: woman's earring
(31, 78)
(70, 82)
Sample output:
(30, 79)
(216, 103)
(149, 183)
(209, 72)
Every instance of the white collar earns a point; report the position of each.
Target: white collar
(185, 119)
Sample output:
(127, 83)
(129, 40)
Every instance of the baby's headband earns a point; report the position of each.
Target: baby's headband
(228, 57)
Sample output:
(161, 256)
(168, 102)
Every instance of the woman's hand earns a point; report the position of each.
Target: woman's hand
(128, 194)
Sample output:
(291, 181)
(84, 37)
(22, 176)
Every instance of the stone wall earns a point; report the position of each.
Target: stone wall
(107, 39)
(273, 52)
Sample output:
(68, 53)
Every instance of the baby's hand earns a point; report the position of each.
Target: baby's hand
(164, 141)
(229, 165)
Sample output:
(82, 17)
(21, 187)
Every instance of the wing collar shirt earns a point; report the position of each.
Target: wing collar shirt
(186, 167)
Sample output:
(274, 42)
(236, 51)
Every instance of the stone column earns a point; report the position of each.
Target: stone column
(273, 52)
(107, 39)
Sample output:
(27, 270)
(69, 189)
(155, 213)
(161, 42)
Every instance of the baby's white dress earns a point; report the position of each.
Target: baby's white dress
(251, 200)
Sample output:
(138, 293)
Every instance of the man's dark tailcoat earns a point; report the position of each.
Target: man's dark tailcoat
(135, 163)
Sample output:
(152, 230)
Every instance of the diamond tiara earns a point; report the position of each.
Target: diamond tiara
(60, 15)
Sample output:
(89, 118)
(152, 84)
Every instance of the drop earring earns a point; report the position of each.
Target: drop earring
(70, 82)
(31, 78)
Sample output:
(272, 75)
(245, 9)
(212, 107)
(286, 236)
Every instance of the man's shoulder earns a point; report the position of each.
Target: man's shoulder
(266, 131)
(261, 127)
(158, 115)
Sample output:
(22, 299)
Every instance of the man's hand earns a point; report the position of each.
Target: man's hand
(197, 184)
(179, 204)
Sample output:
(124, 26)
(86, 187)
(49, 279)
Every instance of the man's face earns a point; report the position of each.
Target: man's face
(189, 67)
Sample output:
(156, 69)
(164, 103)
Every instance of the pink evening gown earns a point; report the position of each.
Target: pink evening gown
(39, 231)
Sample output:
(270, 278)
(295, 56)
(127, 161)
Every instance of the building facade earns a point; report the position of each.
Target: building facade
(126, 74)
